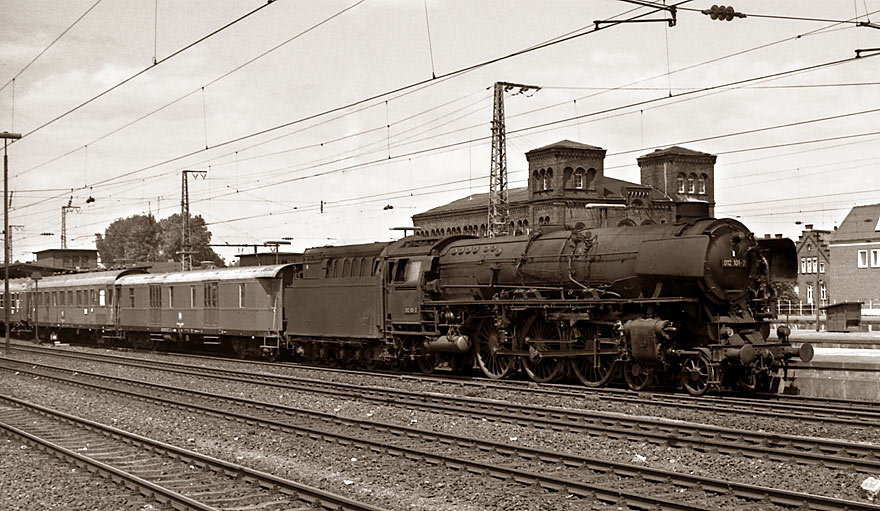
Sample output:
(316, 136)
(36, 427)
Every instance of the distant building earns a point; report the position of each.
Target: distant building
(78, 259)
(567, 186)
(814, 258)
(266, 258)
(855, 257)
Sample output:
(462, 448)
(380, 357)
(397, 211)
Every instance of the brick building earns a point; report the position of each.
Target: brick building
(80, 259)
(567, 186)
(855, 257)
(813, 285)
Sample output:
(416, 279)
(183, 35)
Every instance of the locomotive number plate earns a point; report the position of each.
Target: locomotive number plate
(410, 310)
(733, 263)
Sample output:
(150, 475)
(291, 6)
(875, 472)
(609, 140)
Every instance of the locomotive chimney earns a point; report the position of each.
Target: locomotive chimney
(766, 236)
(691, 210)
(779, 236)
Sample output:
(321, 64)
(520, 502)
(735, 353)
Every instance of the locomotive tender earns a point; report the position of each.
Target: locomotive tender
(687, 303)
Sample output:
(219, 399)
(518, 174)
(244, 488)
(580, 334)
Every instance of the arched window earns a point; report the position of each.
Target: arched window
(701, 183)
(519, 228)
(482, 230)
(579, 177)
(591, 179)
(680, 181)
(543, 180)
(549, 180)
(691, 183)
(536, 181)
(526, 226)
(365, 270)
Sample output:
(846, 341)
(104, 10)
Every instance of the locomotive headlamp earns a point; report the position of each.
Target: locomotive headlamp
(782, 332)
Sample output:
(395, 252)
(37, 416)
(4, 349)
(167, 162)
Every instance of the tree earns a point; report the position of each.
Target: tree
(140, 238)
(171, 239)
(131, 239)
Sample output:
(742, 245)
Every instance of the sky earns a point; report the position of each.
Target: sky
(312, 117)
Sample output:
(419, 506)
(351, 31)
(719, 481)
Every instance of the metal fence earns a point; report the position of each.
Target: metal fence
(870, 307)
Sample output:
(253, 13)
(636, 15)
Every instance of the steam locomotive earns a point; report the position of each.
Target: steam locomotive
(688, 303)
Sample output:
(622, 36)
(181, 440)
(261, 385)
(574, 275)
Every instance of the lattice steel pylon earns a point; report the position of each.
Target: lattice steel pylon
(499, 203)
(64, 211)
(186, 251)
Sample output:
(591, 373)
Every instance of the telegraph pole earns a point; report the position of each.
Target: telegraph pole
(6, 136)
(499, 203)
(186, 251)
(64, 210)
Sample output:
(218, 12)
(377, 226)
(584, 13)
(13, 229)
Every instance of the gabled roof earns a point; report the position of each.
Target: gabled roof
(613, 190)
(477, 200)
(566, 144)
(861, 224)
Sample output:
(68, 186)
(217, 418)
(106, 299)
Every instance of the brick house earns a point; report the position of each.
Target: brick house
(813, 284)
(80, 259)
(567, 186)
(855, 257)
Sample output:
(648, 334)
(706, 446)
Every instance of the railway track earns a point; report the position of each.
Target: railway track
(175, 477)
(581, 476)
(705, 438)
(804, 409)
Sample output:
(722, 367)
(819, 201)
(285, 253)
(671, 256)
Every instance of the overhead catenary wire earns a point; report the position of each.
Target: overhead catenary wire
(375, 97)
(446, 146)
(146, 69)
(44, 50)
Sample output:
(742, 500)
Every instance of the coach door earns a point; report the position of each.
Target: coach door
(155, 305)
(212, 304)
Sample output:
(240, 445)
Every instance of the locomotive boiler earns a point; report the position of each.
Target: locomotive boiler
(689, 301)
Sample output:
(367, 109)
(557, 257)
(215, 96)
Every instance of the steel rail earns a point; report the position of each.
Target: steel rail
(736, 442)
(821, 411)
(292, 489)
(658, 476)
(146, 488)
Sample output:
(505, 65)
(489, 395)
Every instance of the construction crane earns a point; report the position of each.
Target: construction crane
(499, 203)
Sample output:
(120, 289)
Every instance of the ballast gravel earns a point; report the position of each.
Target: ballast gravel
(377, 477)
(31, 480)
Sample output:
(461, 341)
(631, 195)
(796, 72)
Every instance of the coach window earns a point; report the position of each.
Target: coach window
(192, 297)
(241, 296)
(863, 258)
(79, 298)
(102, 298)
(131, 297)
(54, 299)
(171, 297)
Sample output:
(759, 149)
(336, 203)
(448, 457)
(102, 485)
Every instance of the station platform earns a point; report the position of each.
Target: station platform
(843, 373)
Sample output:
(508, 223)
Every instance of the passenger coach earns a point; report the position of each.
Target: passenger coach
(242, 305)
